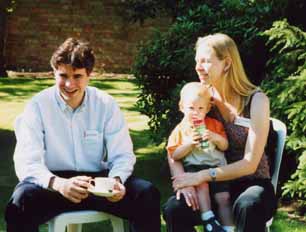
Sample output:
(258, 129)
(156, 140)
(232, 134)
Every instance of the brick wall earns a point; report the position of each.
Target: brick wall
(37, 27)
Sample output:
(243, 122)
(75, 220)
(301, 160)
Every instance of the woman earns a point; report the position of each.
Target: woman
(244, 111)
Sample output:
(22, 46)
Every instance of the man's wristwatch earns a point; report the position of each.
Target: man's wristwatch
(212, 173)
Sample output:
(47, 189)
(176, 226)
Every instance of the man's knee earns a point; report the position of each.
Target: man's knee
(20, 204)
(24, 202)
(145, 194)
(144, 189)
(150, 189)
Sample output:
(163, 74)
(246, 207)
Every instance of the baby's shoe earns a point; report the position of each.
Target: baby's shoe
(212, 225)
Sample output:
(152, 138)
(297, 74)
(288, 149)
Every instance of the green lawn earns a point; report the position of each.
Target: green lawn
(15, 92)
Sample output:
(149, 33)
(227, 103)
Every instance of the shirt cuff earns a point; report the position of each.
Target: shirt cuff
(123, 176)
(45, 181)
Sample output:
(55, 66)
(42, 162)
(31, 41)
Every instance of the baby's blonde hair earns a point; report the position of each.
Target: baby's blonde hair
(193, 90)
(235, 79)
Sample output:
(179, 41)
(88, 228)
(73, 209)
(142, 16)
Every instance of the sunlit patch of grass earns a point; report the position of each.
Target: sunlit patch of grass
(284, 223)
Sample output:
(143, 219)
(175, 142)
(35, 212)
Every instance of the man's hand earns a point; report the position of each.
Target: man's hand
(120, 192)
(190, 196)
(74, 189)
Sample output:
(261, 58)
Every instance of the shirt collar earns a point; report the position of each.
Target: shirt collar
(64, 106)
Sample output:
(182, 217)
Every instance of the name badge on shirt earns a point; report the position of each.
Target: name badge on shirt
(242, 121)
(91, 135)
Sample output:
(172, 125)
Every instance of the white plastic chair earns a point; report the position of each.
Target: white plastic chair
(74, 220)
(281, 131)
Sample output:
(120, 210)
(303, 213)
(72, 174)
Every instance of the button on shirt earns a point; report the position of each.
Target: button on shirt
(51, 136)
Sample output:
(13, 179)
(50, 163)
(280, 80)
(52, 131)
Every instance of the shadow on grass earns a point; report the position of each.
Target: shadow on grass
(8, 179)
(7, 145)
(141, 138)
(109, 84)
(19, 88)
(152, 165)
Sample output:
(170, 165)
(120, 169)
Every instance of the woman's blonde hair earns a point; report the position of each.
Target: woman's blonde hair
(193, 90)
(235, 79)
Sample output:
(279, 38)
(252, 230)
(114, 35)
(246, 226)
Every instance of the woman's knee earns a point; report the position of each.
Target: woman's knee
(173, 208)
(250, 200)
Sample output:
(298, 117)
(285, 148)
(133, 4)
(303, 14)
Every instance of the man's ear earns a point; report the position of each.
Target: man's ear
(88, 73)
(54, 72)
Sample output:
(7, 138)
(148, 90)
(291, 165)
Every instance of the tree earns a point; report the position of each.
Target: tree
(286, 85)
(6, 6)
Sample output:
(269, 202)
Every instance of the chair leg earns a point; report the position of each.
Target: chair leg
(118, 225)
(56, 227)
(74, 228)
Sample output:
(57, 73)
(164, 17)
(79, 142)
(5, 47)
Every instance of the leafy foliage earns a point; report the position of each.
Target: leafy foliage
(164, 62)
(139, 10)
(287, 87)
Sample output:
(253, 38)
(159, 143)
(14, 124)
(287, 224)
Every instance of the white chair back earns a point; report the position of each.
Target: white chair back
(281, 131)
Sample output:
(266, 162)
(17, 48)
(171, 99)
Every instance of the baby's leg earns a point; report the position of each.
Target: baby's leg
(203, 197)
(224, 208)
(210, 222)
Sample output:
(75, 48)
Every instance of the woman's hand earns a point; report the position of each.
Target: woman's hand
(186, 179)
(190, 196)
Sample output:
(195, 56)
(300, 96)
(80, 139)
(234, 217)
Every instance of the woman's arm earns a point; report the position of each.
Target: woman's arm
(257, 137)
(189, 193)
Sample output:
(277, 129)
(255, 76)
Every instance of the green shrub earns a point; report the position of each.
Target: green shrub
(167, 60)
(286, 85)
(140, 10)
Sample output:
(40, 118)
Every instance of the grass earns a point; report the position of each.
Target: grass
(14, 93)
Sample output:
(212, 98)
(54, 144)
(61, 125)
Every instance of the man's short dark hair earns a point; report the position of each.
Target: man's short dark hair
(76, 53)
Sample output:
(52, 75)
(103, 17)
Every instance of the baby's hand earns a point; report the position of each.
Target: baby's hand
(196, 137)
(216, 139)
(210, 136)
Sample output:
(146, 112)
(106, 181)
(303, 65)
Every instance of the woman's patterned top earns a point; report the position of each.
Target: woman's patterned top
(237, 137)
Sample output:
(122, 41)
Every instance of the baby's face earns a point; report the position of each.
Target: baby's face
(195, 108)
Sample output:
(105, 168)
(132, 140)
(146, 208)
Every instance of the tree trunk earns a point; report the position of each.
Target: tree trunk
(3, 16)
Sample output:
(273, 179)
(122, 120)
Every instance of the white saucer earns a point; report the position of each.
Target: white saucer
(102, 194)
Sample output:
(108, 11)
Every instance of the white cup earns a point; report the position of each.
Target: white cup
(103, 184)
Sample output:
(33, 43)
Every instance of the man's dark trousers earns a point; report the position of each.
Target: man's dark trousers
(31, 205)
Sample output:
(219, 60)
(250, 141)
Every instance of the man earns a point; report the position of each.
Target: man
(68, 134)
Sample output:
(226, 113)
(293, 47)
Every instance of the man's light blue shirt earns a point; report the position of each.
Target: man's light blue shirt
(51, 136)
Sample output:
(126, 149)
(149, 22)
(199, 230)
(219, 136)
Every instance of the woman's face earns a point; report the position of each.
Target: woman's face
(208, 67)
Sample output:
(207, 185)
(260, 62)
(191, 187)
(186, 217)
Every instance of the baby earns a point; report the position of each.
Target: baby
(202, 150)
